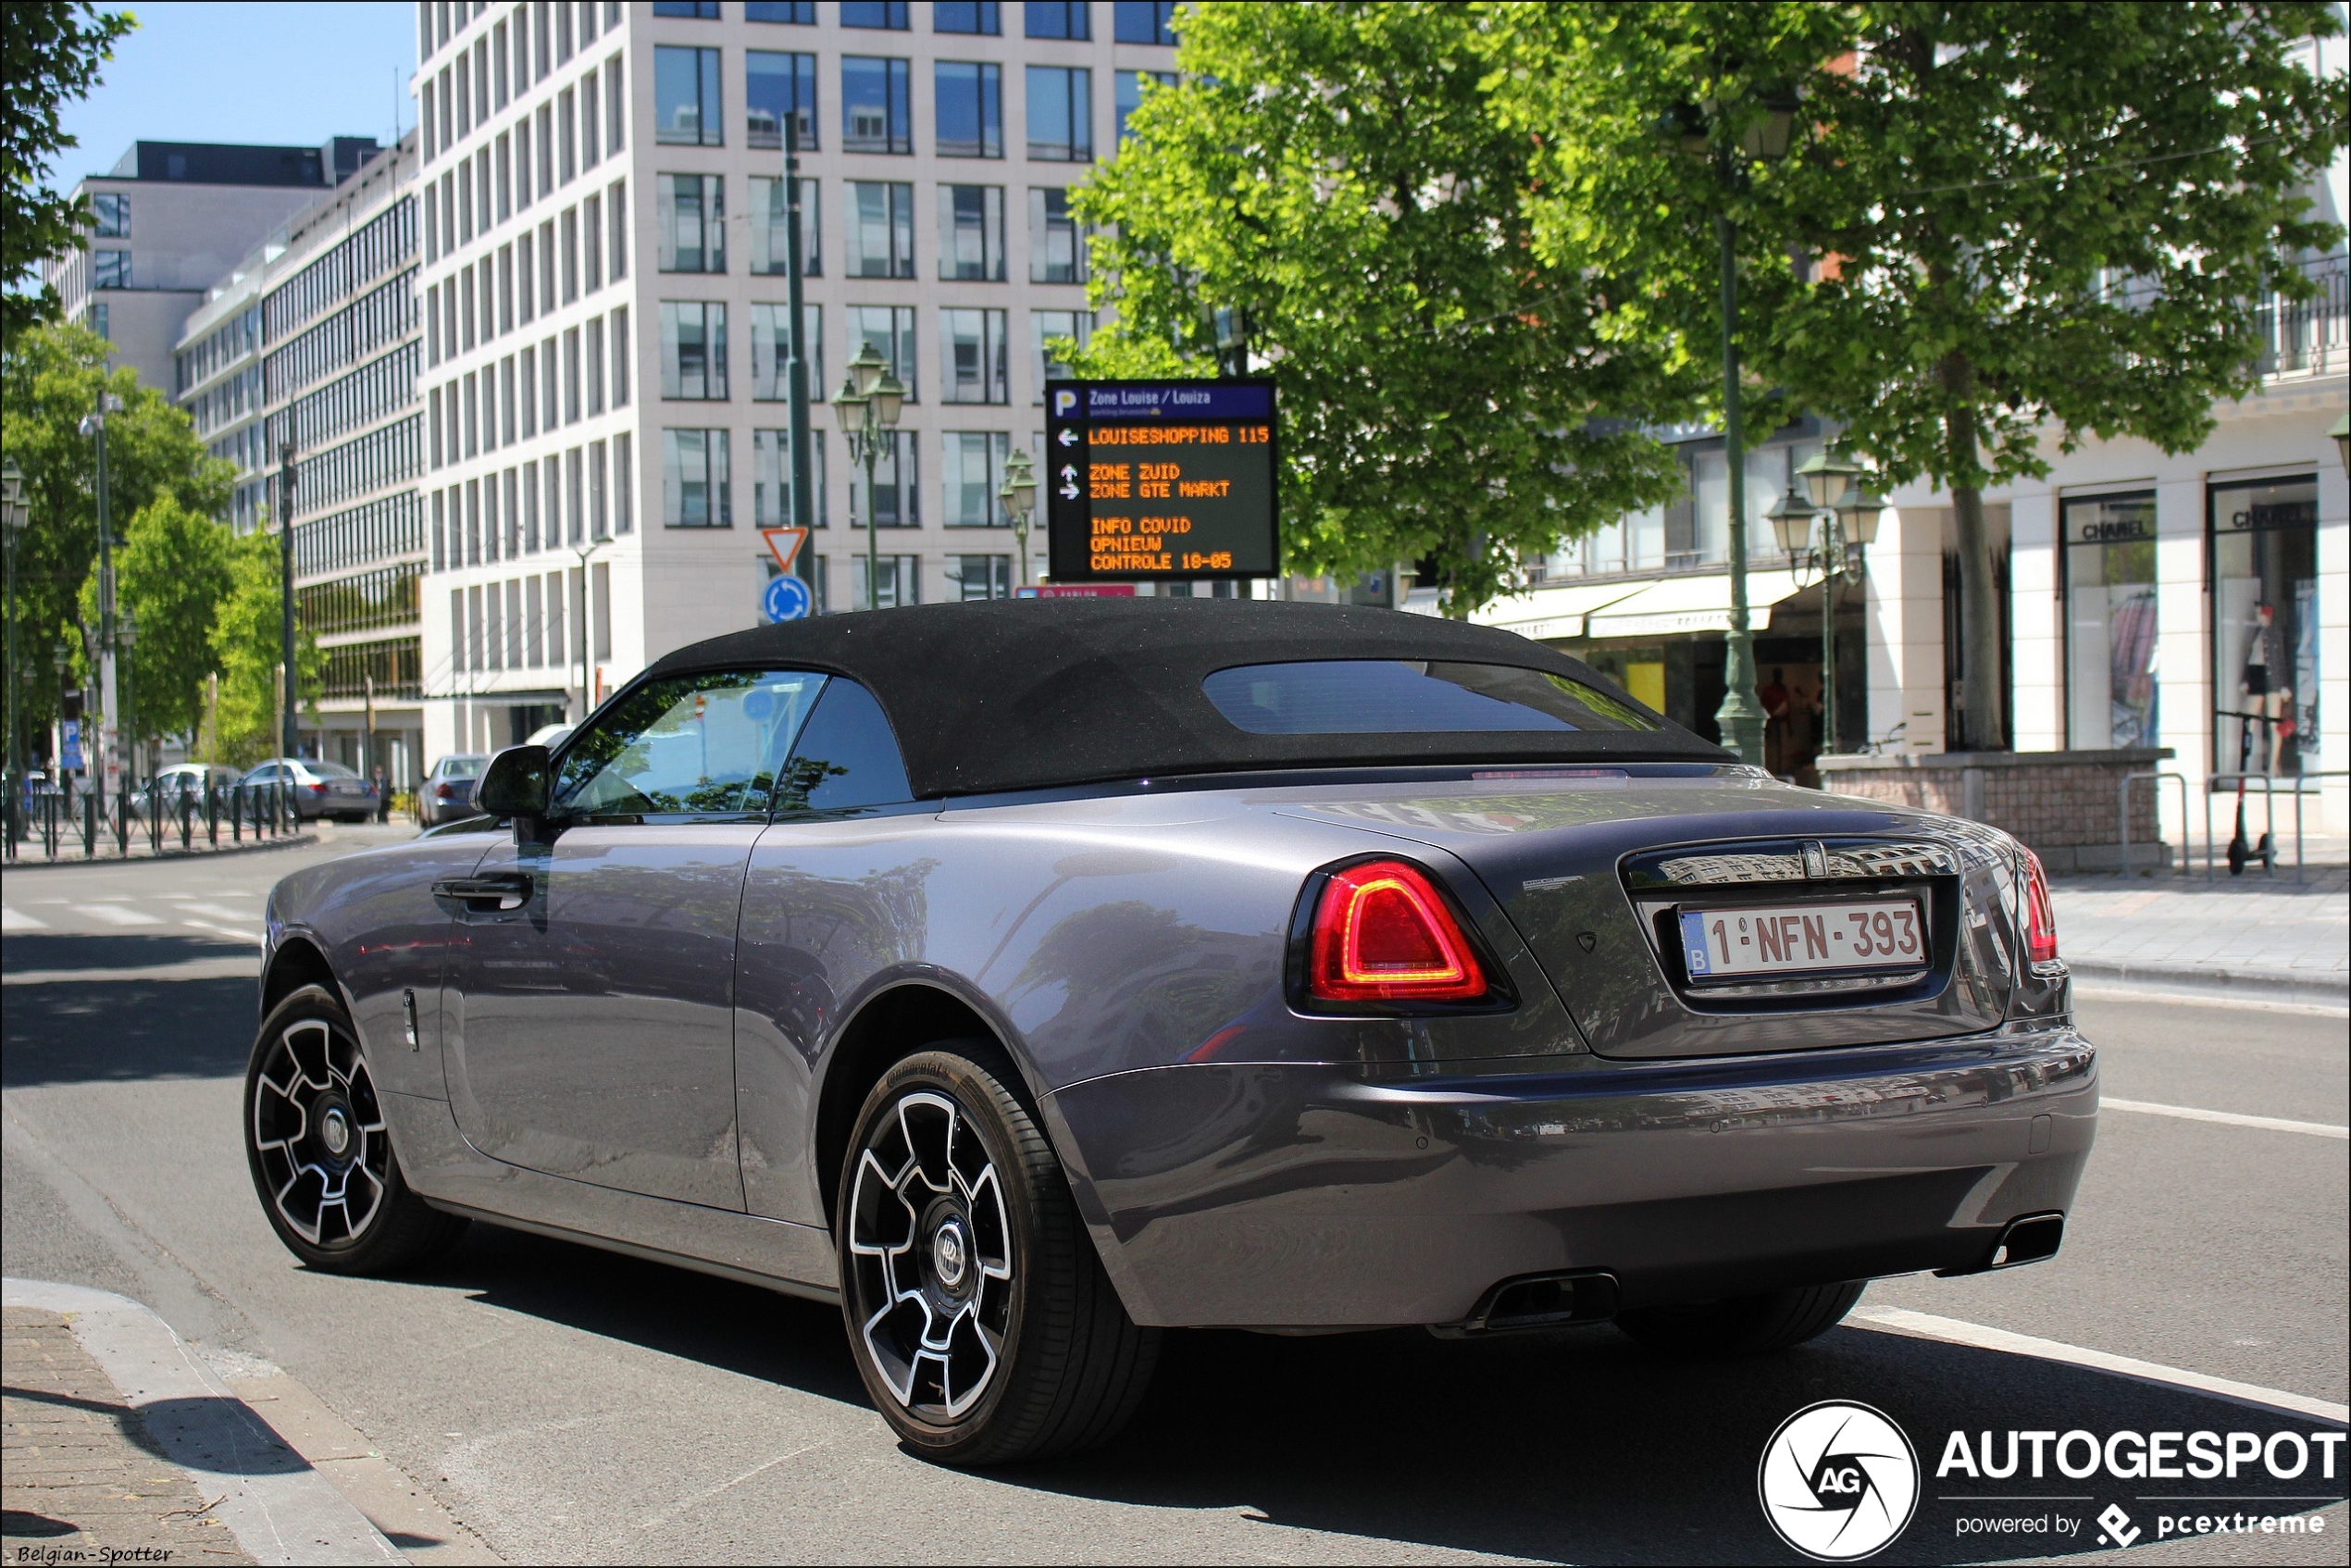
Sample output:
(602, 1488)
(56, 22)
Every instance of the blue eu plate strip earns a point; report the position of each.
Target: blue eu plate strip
(1694, 942)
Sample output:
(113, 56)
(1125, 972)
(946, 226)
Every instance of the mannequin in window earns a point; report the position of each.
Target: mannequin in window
(2269, 697)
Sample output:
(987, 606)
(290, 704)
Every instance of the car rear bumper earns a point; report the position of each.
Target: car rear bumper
(1305, 1196)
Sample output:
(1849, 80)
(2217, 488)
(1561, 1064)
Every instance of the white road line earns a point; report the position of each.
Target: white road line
(2226, 1118)
(217, 910)
(17, 920)
(223, 931)
(115, 914)
(1951, 1330)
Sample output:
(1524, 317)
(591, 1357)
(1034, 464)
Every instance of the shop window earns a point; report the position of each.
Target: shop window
(2265, 626)
(2110, 621)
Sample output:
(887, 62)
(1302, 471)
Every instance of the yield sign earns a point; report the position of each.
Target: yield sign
(784, 544)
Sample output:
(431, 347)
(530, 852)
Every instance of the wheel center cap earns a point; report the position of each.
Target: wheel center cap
(334, 1131)
(949, 1254)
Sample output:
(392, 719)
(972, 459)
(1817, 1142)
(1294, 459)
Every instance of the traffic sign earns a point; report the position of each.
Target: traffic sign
(1161, 482)
(787, 599)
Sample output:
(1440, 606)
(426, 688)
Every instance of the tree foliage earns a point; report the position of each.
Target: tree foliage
(1336, 174)
(172, 573)
(245, 645)
(52, 53)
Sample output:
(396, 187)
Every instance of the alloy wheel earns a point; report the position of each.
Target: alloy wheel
(319, 1134)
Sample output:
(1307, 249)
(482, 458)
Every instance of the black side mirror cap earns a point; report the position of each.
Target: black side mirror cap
(515, 784)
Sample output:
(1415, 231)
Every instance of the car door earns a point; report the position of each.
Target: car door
(834, 894)
(590, 1003)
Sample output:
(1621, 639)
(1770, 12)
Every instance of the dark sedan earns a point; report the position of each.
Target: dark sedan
(1031, 976)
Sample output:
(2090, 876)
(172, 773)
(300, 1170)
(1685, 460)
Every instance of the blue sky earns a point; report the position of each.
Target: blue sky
(290, 74)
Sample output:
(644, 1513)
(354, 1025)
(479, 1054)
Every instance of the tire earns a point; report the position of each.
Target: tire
(346, 1209)
(954, 1209)
(1743, 1325)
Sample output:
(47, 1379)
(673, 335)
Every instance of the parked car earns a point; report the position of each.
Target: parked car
(1040, 974)
(320, 789)
(447, 793)
(181, 780)
(551, 735)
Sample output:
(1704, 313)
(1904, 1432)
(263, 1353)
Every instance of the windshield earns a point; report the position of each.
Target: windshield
(461, 767)
(1410, 697)
(329, 770)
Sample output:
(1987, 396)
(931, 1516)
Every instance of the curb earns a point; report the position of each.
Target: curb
(2283, 985)
(290, 841)
(281, 1510)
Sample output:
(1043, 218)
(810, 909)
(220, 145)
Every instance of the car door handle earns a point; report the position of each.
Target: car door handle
(489, 890)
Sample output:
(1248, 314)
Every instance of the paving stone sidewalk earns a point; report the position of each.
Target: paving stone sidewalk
(2254, 936)
(78, 1467)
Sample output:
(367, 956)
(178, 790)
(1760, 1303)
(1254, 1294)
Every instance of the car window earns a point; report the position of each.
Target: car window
(698, 747)
(459, 768)
(329, 770)
(266, 774)
(1410, 697)
(847, 760)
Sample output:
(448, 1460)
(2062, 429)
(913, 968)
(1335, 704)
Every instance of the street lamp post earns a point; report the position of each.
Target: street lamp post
(15, 513)
(285, 587)
(109, 761)
(1019, 496)
(869, 405)
(587, 692)
(126, 639)
(1846, 513)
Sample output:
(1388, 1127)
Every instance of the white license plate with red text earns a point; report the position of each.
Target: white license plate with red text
(1802, 939)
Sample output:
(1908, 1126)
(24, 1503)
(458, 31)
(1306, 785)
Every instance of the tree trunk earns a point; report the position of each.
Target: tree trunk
(1981, 719)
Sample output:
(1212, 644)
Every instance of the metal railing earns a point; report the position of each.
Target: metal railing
(2122, 818)
(48, 820)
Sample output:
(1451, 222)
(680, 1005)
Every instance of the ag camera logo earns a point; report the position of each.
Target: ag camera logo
(1839, 1481)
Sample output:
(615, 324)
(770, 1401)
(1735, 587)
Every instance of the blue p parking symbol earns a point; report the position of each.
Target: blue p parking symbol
(786, 599)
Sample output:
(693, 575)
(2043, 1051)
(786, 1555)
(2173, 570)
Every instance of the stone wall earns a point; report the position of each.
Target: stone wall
(2059, 804)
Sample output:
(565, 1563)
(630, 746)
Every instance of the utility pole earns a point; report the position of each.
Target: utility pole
(285, 584)
(803, 503)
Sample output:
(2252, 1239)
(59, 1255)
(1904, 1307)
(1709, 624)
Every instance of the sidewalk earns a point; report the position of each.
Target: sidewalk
(2249, 938)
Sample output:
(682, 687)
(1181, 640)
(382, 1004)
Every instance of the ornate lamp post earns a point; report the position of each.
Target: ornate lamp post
(1019, 496)
(109, 767)
(16, 515)
(1847, 514)
(868, 404)
(125, 638)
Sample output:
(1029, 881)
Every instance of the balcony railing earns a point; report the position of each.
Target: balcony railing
(2306, 338)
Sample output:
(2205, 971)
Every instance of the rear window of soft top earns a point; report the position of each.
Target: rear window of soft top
(1411, 697)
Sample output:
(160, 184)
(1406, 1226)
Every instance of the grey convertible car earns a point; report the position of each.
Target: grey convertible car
(1031, 976)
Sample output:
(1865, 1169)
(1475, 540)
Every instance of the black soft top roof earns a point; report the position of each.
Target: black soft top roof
(1028, 693)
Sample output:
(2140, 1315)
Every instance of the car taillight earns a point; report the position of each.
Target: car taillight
(2040, 919)
(318, 789)
(446, 791)
(1383, 933)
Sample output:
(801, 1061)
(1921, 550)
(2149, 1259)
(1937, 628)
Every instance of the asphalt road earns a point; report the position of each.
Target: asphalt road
(568, 1404)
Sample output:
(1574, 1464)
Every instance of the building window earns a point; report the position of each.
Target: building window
(622, 350)
(899, 582)
(970, 116)
(1127, 92)
(971, 233)
(1061, 113)
(771, 227)
(689, 10)
(1057, 18)
(693, 350)
(800, 13)
(771, 481)
(888, 330)
(2264, 541)
(771, 348)
(624, 486)
(897, 484)
(693, 223)
(1048, 326)
(971, 356)
(688, 110)
(2110, 621)
(873, 105)
(979, 577)
(110, 270)
(694, 489)
(776, 86)
(966, 16)
(99, 323)
(971, 469)
(1056, 243)
(881, 229)
(113, 213)
(886, 14)
(615, 107)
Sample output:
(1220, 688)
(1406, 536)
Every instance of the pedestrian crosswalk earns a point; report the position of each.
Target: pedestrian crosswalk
(115, 915)
(18, 920)
(66, 917)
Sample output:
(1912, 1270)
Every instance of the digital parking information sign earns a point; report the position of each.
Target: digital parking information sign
(1160, 481)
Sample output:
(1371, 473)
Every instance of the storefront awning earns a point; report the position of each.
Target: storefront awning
(1679, 605)
(1556, 611)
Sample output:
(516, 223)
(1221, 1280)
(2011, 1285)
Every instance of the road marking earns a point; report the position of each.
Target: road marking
(228, 931)
(2226, 1118)
(217, 910)
(16, 920)
(115, 914)
(1952, 1331)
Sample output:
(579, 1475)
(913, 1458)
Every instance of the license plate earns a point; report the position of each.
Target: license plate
(1803, 939)
(351, 788)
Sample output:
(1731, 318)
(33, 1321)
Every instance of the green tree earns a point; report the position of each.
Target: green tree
(1336, 175)
(171, 572)
(50, 380)
(245, 646)
(53, 54)
(2044, 222)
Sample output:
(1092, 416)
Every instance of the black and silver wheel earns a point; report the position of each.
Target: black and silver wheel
(321, 1155)
(978, 1314)
(1744, 1325)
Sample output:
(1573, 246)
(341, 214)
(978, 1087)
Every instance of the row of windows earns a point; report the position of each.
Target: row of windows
(239, 335)
(520, 623)
(367, 601)
(529, 391)
(974, 350)
(361, 398)
(691, 223)
(390, 669)
(1133, 22)
(465, 92)
(697, 480)
(374, 531)
(496, 293)
(502, 517)
(245, 449)
(371, 462)
(375, 320)
(503, 177)
(233, 399)
(384, 242)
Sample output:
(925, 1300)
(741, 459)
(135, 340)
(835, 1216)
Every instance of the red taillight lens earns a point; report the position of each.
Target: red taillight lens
(1383, 933)
(318, 789)
(2040, 919)
(446, 791)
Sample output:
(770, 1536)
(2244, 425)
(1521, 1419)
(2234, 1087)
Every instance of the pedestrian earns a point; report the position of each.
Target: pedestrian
(383, 795)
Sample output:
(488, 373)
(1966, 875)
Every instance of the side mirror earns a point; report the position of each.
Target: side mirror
(516, 784)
